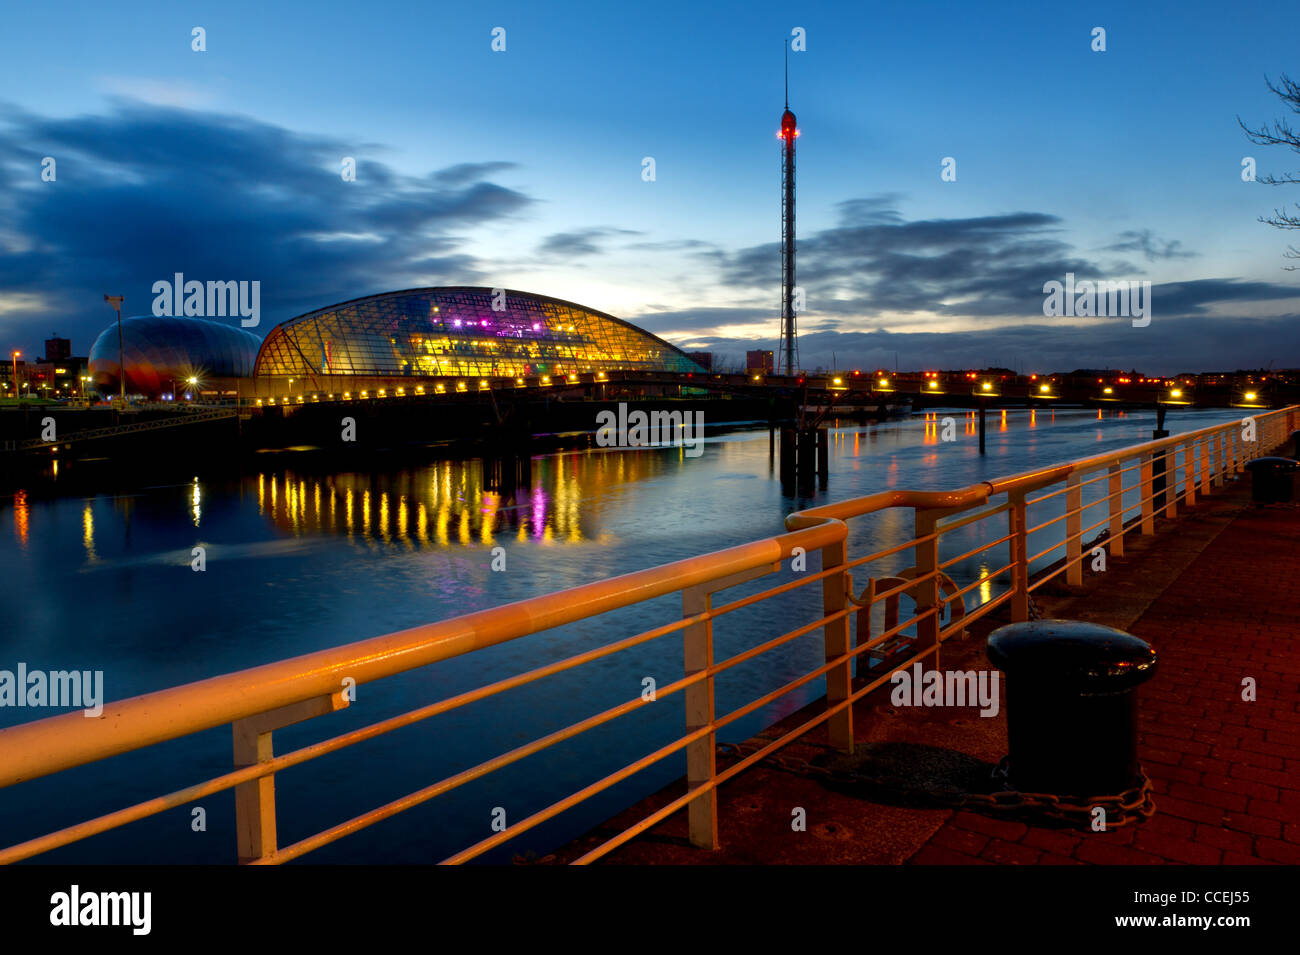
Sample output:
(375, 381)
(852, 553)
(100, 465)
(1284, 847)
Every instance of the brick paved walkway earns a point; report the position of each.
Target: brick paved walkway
(1226, 772)
(1217, 592)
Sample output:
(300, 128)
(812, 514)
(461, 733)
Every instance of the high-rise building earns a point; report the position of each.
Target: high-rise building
(57, 349)
(702, 358)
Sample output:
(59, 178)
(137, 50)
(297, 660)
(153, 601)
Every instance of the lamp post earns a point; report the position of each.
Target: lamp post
(115, 303)
(16, 354)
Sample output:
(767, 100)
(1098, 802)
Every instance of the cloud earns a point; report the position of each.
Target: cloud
(876, 261)
(144, 191)
(875, 280)
(1200, 343)
(171, 91)
(1153, 248)
(580, 242)
(464, 173)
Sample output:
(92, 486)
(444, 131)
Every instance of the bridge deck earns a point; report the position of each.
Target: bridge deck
(1217, 593)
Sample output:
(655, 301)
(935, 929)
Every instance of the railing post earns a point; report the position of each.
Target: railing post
(701, 755)
(1189, 473)
(926, 593)
(1073, 531)
(1146, 491)
(254, 800)
(1170, 463)
(1218, 459)
(863, 636)
(1115, 530)
(255, 835)
(839, 679)
(1205, 465)
(1016, 518)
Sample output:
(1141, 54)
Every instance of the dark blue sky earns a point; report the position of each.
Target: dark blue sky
(523, 168)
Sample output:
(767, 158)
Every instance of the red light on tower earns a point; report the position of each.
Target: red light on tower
(789, 129)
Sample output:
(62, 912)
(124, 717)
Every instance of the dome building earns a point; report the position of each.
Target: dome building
(459, 332)
(162, 354)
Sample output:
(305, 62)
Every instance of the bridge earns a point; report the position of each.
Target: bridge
(788, 396)
(1122, 498)
(843, 389)
(176, 418)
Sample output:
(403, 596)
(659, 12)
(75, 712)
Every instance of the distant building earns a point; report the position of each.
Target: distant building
(57, 349)
(702, 358)
(7, 375)
(60, 374)
(759, 362)
(162, 354)
(61, 378)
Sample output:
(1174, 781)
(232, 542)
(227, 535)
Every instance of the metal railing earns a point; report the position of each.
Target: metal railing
(1123, 486)
(179, 419)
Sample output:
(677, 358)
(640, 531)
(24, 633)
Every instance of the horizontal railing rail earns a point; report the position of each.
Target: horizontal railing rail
(1163, 474)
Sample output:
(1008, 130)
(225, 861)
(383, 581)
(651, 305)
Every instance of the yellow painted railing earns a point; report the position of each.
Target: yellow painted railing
(258, 701)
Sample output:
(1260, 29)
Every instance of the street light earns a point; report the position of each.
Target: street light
(16, 354)
(115, 303)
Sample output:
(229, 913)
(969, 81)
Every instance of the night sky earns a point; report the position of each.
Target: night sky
(523, 169)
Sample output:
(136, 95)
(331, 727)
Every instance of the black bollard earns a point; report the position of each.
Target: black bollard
(1272, 480)
(1071, 706)
(984, 403)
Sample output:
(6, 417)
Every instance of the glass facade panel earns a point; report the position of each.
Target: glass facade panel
(455, 332)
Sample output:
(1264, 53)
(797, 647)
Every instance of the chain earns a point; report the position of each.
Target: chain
(1134, 805)
(1035, 613)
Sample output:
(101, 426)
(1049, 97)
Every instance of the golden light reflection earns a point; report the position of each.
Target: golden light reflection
(88, 532)
(457, 502)
(21, 517)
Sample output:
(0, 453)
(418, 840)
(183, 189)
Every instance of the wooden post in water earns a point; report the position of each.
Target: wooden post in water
(984, 404)
(787, 454)
(1158, 464)
(807, 463)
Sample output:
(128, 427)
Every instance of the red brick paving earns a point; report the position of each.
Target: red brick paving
(1226, 771)
(1217, 593)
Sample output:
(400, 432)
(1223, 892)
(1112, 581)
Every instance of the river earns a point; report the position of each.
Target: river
(298, 560)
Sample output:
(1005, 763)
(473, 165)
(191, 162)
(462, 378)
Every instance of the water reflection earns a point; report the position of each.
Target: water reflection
(451, 502)
(88, 532)
(21, 518)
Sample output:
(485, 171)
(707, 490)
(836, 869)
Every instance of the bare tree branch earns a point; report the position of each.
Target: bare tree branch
(1280, 134)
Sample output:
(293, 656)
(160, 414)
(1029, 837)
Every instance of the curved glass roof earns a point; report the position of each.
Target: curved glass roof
(432, 332)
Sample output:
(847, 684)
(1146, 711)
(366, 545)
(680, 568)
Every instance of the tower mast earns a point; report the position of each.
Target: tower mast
(789, 132)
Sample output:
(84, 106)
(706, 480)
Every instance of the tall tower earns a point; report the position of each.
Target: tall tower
(788, 134)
